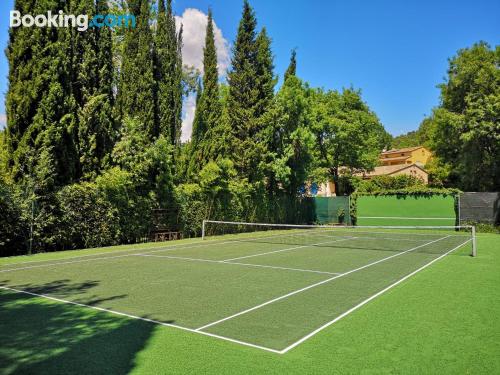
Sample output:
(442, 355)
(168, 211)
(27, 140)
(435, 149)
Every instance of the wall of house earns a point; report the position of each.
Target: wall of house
(420, 157)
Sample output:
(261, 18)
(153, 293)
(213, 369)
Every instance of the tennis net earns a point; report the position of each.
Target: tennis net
(428, 239)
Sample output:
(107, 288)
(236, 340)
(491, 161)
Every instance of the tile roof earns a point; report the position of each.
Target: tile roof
(406, 149)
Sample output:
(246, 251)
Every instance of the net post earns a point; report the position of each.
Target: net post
(474, 245)
(203, 230)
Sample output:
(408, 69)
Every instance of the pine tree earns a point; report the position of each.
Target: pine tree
(137, 89)
(292, 67)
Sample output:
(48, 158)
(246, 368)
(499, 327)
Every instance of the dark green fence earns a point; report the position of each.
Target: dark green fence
(332, 210)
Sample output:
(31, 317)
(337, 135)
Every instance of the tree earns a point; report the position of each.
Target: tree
(348, 134)
(208, 106)
(137, 72)
(465, 127)
(243, 95)
(168, 73)
(291, 141)
(292, 67)
(93, 87)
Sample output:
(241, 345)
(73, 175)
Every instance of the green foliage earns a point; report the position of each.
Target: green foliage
(348, 134)
(132, 205)
(465, 128)
(13, 226)
(208, 106)
(290, 140)
(89, 219)
(292, 67)
(247, 95)
(168, 73)
(137, 73)
(380, 183)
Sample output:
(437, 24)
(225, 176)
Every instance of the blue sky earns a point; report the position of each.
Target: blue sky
(394, 51)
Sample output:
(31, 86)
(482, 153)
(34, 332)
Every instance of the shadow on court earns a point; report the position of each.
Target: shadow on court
(47, 337)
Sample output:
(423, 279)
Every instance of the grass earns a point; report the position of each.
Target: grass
(442, 320)
(405, 206)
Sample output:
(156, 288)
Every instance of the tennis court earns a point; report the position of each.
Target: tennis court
(267, 286)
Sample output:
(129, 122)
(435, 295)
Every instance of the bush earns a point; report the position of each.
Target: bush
(379, 183)
(132, 205)
(89, 219)
(13, 226)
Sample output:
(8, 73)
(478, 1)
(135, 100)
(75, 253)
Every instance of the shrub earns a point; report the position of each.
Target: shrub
(89, 219)
(13, 226)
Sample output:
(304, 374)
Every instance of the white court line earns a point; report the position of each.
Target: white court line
(314, 285)
(238, 264)
(288, 249)
(141, 318)
(308, 336)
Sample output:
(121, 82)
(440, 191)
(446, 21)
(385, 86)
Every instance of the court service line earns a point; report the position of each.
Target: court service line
(114, 312)
(308, 336)
(288, 249)
(315, 285)
(238, 264)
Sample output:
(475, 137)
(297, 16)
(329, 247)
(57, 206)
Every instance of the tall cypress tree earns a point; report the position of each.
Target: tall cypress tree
(168, 66)
(137, 89)
(94, 90)
(40, 103)
(243, 93)
(292, 67)
(265, 75)
(208, 107)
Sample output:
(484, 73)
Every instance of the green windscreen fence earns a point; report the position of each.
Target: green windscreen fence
(332, 210)
(406, 210)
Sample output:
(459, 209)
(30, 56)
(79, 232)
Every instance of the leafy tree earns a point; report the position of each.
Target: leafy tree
(465, 128)
(348, 134)
(291, 141)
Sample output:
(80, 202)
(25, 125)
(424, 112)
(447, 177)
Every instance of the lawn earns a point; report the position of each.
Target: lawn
(442, 320)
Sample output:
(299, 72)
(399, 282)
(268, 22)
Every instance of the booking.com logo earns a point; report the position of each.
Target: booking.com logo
(80, 22)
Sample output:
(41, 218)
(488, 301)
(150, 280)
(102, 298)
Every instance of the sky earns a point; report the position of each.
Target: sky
(395, 52)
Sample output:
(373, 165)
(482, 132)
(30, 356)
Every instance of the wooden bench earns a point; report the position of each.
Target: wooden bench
(160, 236)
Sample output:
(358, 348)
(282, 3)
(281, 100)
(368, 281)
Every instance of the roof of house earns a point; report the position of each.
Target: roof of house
(406, 149)
(399, 158)
(388, 170)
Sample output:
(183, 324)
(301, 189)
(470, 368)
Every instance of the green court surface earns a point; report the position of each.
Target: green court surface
(406, 210)
(269, 290)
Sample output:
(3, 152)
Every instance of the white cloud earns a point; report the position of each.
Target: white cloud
(194, 24)
(188, 117)
(3, 120)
